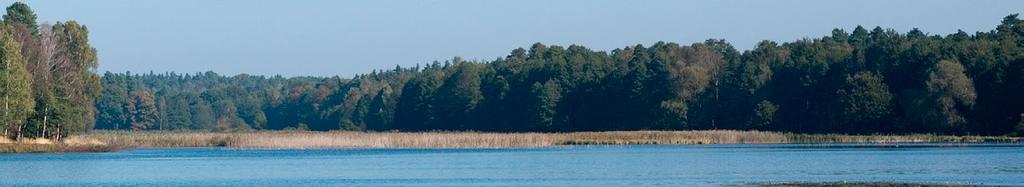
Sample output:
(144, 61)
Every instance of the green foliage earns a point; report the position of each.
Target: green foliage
(111, 105)
(202, 114)
(177, 114)
(950, 91)
(458, 97)
(863, 101)
(49, 80)
(865, 81)
(20, 13)
(15, 84)
(543, 107)
(764, 115)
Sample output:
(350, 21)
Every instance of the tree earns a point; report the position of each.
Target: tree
(764, 116)
(20, 13)
(178, 115)
(16, 94)
(414, 110)
(142, 111)
(743, 86)
(380, 113)
(76, 85)
(111, 105)
(864, 101)
(866, 81)
(40, 65)
(695, 69)
(950, 92)
(202, 114)
(545, 104)
(458, 97)
(227, 117)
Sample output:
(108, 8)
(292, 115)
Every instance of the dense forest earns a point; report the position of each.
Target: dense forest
(859, 82)
(48, 79)
(862, 82)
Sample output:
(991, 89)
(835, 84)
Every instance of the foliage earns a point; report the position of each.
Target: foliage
(49, 75)
(15, 85)
(863, 82)
(764, 114)
(864, 100)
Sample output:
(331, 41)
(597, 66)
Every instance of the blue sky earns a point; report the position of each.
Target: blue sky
(326, 38)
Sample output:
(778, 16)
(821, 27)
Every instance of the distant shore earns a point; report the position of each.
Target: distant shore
(858, 183)
(100, 141)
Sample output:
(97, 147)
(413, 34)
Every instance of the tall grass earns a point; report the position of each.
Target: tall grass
(673, 137)
(392, 139)
(345, 139)
(143, 139)
(914, 138)
(40, 145)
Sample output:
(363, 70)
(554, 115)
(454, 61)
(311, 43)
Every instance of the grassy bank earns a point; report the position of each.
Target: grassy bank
(303, 139)
(110, 140)
(45, 146)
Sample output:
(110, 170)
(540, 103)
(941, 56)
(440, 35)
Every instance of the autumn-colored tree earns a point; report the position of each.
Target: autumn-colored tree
(141, 109)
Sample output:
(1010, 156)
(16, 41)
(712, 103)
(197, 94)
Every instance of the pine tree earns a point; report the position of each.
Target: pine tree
(20, 13)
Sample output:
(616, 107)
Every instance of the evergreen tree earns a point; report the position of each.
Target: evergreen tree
(111, 105)
(545, 105)
(20, 13)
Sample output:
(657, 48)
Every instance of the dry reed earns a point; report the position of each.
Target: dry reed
(347, 139)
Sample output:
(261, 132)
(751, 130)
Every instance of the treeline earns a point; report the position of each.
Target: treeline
(864, 81)
(48, 80)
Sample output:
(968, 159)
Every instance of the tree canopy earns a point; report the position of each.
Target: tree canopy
(48, 76)
(864, 81)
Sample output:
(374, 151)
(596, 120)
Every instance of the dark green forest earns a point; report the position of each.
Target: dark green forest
(858, 82)
(862, 81)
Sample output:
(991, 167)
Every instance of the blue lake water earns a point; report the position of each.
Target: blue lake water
(667, 165)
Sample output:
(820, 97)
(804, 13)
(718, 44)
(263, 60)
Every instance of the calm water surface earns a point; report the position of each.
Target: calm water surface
(668, 165)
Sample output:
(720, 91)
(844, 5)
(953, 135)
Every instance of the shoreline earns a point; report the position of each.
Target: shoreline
(859, 183)
(105, 141)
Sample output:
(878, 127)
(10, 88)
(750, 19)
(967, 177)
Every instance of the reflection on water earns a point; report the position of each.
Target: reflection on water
(568, 165)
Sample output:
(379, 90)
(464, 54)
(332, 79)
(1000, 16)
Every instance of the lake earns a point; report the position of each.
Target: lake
(645, 165)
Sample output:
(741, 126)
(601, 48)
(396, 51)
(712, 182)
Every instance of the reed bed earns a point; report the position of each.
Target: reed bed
(144, 139)
(888, 139)
(348, 139)
(99, 141)
(392, 139)
(673, 137)
(40, 145)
